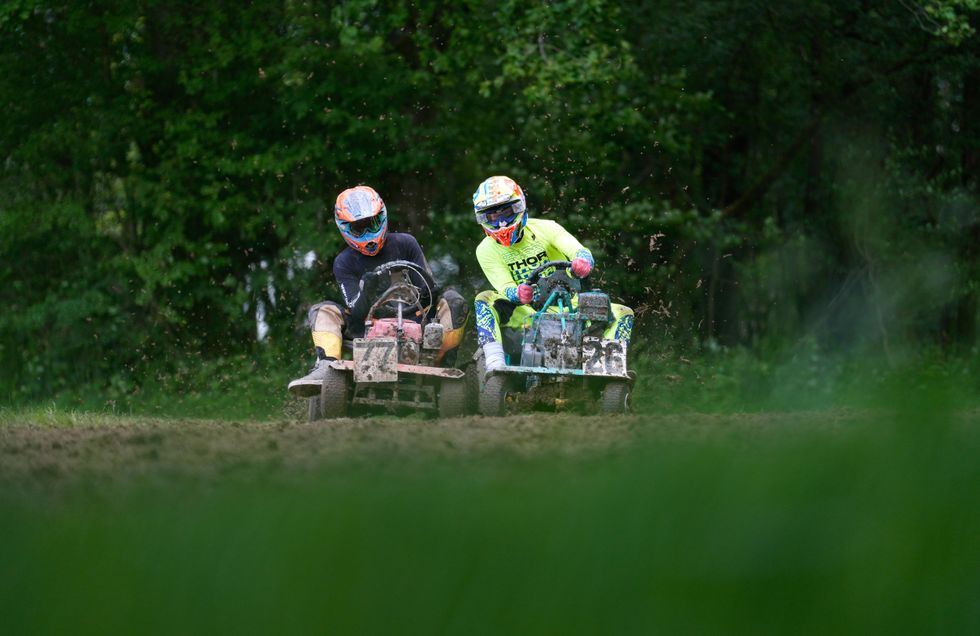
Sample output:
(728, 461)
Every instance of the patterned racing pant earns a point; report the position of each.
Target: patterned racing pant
(494, 311)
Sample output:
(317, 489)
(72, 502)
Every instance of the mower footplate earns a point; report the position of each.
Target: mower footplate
(412, 369)
(549, 371)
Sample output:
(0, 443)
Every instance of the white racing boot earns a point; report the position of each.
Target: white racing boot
(493, 356)
(309, 384)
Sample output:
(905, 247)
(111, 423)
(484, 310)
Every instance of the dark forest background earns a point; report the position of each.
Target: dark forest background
(750, 175)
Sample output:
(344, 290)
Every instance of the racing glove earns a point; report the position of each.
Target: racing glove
(374, 283)
(581, 267)
(525, 293)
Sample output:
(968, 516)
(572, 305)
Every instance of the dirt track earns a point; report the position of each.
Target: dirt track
(114, 448)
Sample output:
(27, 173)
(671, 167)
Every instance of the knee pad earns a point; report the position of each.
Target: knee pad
(326, 316)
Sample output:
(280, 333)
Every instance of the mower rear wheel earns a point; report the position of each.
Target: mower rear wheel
(333, 394)
(313, 408)
(452, 398)
(615, 398)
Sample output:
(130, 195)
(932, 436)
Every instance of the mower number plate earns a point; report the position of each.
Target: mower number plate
(594, 306)
(603, 357)
(375, 360)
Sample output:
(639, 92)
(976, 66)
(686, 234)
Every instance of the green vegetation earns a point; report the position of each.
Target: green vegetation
(801, 378)
(232, 387)
(747, 174)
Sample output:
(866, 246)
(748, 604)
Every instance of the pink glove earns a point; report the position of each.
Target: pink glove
(525, 293)
(581, 267)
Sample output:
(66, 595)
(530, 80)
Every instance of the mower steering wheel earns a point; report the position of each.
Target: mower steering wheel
(404, 292)
(558, 280)
(532, 278)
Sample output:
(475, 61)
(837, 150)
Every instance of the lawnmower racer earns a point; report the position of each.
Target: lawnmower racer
(513, 247)
(362, 219)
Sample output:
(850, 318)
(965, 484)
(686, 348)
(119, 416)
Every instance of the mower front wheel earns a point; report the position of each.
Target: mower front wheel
(615, 398)
(493, 397)
(334, 394)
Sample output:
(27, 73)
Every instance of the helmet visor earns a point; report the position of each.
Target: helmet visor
(365, 226)
(500, 216)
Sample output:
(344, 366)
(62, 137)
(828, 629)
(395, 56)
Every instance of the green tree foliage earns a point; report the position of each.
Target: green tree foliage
(744, 171)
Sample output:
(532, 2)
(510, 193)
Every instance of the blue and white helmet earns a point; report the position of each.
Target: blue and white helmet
(501, 209)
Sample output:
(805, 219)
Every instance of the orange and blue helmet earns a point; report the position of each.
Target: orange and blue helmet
(362, 218)
(501, 209)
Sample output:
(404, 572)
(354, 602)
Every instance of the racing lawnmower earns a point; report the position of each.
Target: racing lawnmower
(393, 367)
(564, 360)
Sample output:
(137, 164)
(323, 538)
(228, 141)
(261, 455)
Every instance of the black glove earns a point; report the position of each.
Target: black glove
(374, 284)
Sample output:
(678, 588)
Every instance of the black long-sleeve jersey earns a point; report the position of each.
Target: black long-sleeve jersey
(350, 266)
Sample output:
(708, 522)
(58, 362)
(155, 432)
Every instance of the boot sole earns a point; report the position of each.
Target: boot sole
(304, 390)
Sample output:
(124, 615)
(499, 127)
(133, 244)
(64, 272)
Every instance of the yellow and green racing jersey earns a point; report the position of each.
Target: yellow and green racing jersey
(508, 267)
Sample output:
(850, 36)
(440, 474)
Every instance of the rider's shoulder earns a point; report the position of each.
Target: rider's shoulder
(486, 246)
(347, 265)
(543, 225)
(402, 237)
(344, 256)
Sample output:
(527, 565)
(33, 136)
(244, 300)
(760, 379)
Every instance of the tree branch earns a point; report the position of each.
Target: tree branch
(848, 90)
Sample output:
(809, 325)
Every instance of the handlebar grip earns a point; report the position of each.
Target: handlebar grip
(536, 274)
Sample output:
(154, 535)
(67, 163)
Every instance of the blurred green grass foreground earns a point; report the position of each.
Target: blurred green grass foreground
(861, 521)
